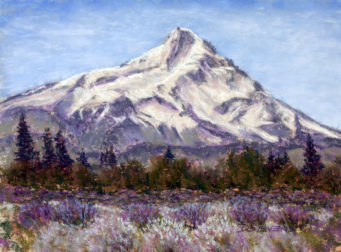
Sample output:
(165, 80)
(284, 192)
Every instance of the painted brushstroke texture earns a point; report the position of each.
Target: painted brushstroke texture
(181, 93)
(292, 48)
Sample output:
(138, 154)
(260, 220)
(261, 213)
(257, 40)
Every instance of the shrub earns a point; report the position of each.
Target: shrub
(288, 177)
(35, 214)
(131, 175)
(52, 177)
(21, 173)
(247, 169)
(294, 217)
(17, 194)
(168, 174)
(111, 233)
(140, 213)
(167, 235)
(251, 214)
(27, 174)
(73, 211)
(107, 232)
(81, 176)
(331, 179)
(203, 178)
(193, 214)
(107, 177)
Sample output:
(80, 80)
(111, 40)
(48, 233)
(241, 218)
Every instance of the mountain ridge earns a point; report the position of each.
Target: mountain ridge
(180, 93)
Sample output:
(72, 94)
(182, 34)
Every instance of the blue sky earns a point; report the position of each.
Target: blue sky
(293, 48)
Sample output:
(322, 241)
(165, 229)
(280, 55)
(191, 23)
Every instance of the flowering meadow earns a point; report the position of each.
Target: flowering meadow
(170, 220)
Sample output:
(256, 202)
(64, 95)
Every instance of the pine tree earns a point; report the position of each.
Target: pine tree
(102, 159)
(270, 165)
(285, 158)
(83, 159)
(111, 157)
(282, 160)
(278, 162)
(168, 155)
(274, 165)
(49, 156)
(63, 157)
(108, 158)
(312, 160)
(24, 141)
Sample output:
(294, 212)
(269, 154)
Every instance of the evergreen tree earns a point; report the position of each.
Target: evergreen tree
(281, 161)
(111, 157)
(247, 169)
(102, 159)
(285, 158)
(63, 157)
(108, 158)
(24, 141)
(49, 156)
(312, 160)
(271, 165)
(168, 155)
(278, 163)
(83, 159)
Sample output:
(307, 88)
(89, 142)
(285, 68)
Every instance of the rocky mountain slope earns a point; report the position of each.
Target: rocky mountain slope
(181, 93)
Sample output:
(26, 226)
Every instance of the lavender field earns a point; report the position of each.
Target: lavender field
(181, 220)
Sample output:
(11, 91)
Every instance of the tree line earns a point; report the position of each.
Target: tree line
(246, 169)
(55, 166)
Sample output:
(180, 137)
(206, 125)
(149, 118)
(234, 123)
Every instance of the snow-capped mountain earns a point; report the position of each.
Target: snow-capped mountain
(181, 93)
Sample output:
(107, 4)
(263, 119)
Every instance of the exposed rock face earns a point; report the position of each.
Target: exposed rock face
(181, 93)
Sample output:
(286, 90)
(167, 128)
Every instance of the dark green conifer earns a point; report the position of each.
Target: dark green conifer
(83, 159)
(313, 165)
(168, 155)
(24, 141)
(63, 158)
(49, 156)
(108, 158)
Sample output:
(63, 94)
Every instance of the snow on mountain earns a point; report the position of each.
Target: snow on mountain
(180, 93)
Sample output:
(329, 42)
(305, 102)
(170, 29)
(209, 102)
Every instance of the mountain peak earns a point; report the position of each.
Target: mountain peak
(181, 92)
(180, 45)
(182, 33)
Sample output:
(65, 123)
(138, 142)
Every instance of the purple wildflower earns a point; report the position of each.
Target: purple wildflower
(140, 213)
(249, 213)
(73, 211)
(35, 214)
(193, 214)
(294, 217)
